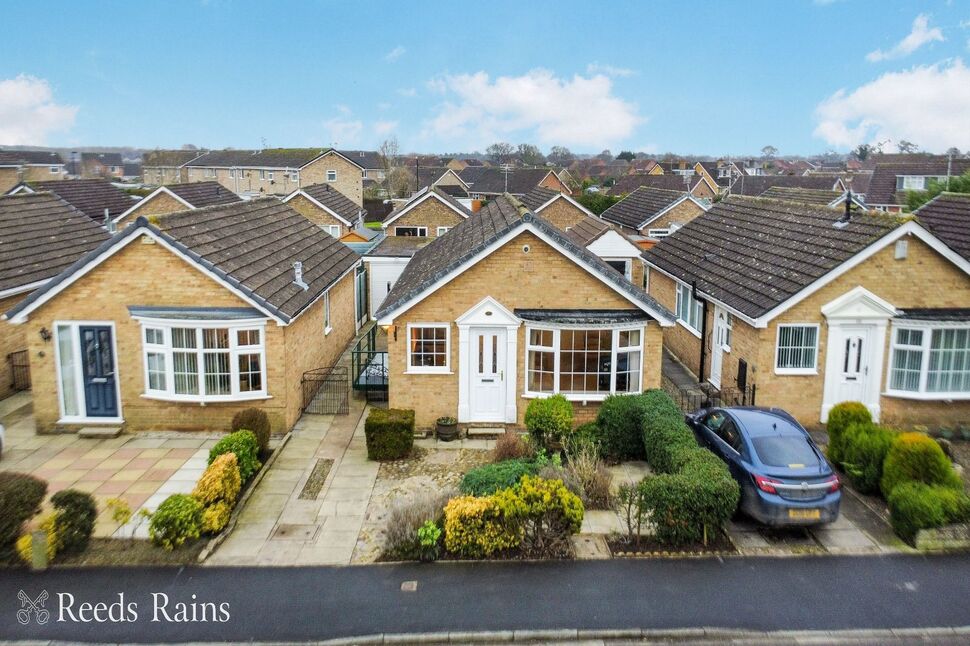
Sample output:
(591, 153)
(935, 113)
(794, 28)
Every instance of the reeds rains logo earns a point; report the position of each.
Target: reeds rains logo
(33, 608)
(120, 610)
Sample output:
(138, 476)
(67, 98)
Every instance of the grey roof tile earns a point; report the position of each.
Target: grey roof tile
(640, 206)
(92, 196)
(947, 216)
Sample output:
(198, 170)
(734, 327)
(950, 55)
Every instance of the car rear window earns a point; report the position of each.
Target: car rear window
(785, 451)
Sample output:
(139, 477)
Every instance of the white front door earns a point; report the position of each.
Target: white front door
(853, 368)
(718, 342)
(486, 357)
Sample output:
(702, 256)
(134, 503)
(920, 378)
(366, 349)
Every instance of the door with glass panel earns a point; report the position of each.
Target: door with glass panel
(98, 371)
(854, 350)
(487, 374)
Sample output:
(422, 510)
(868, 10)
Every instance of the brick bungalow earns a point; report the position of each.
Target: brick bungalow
(177, 197)
(506, 308)
(654, 212)
(557, 208)
(486, 182)
(96, 198)
(40, 235)
(697, 185)
(429, 213)
(326, 207)
(814, 309)
(891, 181)
(249, 297)
(815, 197)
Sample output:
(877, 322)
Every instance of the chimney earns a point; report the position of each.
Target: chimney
(298, 276)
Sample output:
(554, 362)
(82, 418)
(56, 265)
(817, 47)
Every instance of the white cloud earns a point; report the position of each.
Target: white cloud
(343, 131)
(920, 35)
(384, 127)
(581, 111)
(395, 54)
(28, 111)
(609, 70)
(928, 105)
(407, 91)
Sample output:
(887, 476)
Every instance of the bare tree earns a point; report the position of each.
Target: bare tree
(530, 155)
(907, 146)
(500, 152)
(560, 155)
(768, 152)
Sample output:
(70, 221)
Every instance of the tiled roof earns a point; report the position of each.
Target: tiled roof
(367, 159)
(958, 314)
(437, 191)
(640, 206)
(669, 182)
(131, 169)
(169, 158)
(40, 235)
(268, 158)
(755, 185)
(947, 216)
(588, 230)
(486, 179)
(9, 158)
(882, 186)
(203, 194)
(333, 200)
(753, 254)
(537, 197)
(107, 159)
(91, 196)
(427, 175)
(399, 246)
(859, 182)
(471, 236)
(35, 157)
(817, 197)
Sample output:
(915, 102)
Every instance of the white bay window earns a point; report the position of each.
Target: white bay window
(583, 362)
(930, 362)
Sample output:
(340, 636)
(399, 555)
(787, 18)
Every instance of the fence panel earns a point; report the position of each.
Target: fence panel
(19, 370)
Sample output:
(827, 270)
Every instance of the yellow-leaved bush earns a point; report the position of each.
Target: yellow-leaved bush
(25, 544)
(475, 527)
(215, 517)
(217, 491)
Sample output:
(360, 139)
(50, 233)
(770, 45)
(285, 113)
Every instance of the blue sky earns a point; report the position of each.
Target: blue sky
(691, 77)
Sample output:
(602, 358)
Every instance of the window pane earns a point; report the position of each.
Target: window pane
(429, 347)
(628, 372)
(154, 336)
(250, 377)
(906, 369)
(629, 338)
(217, 375)
(797, 346)
(65, 357)
(540, 338)
(215, 338)
(183, 337)
(540, 372)
(186, 370)
(949, 365)
(585, 360)
(247, 337)
(156, 371)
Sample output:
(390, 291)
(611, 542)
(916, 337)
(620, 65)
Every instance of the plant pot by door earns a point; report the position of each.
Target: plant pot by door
(447, 429)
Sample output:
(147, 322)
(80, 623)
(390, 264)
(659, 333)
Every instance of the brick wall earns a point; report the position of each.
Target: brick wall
(431, 214)
(161, 204)
(543, 278)
(562, 214)
(315, 214)
(681, 214)
(702, 191)
(556, 184)
(9, 177)
(13, 338)
(349, 180)
(41, 174)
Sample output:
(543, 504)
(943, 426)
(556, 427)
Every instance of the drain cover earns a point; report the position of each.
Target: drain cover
(296, 532)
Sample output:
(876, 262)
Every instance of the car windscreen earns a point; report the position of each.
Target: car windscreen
(785, 451)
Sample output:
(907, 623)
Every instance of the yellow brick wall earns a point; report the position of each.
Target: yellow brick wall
(682, 214)
(431, 214)
(562, 215)
(702, 191)
(161, 204)
(315, 214)
(9, 177)
(543, 278)
(13, 338)
(41, 174)
(349, 181)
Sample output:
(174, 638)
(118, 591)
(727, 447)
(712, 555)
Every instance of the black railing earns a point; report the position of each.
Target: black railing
(693, 398)
(369, 367)
(326, 391)
(19, 370)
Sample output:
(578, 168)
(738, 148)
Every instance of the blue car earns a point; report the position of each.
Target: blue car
(785, 480)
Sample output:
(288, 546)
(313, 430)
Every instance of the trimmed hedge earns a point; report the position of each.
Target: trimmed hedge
(246, 447)
(76, 515)
(693, 492)
(389, 433)
(914, 506)
(916, 457)
(841, 417)
(255, 420)
(619, 426)
(545, 512)
(549, 418)
(486, 480)
(20, 498)
(477, 527)
(864, 449)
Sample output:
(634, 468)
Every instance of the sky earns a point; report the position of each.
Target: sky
(719, 78)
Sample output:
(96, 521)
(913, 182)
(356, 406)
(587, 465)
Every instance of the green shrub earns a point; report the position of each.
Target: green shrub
(488, 479)
(864, 449)
(476, 527)
(20, 498)
(549, 419)
(841, 417)
(408, 514)
(619, 425)
(584, 435)
(429, 538)
(916, 457)
(914, 506)
(177, 519)
(220, 481)
(389, 433)
(246, 448)
(76, 515)
(546, 513)
(255, 420)
(667, 441)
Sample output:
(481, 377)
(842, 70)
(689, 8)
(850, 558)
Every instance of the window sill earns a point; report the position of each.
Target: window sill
(418, 371)
(689, 328)
(196, 399)
(573, 397)
(327, 331)
(796, 372)
(940, 397)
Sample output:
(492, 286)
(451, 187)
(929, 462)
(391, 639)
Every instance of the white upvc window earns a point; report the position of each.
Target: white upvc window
(331, 176)
(911, 183)
(442, 231)
(186, 361)
(796, 349)
(658, 233)
(728, 329)
(332, 229)
(429, 348)
(54, 170)
(420, 232)
(583, 363)
(295, 176)
(622, 265)
(327, 323)
(930, 362)
(689, 309)
(209, 172)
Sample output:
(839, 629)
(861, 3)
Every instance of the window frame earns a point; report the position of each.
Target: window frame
(235, 350)
(329, 228)
(327, 320)
(698, 309)
(54, 170)
(627, 266)
(416, 228)
(797, 371)
(925, 348)
(428, 370)
(615, 350)
(440, 231)
(331, 171)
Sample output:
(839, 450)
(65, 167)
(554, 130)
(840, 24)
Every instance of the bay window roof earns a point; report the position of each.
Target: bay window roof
(583, 317)
(196, 313)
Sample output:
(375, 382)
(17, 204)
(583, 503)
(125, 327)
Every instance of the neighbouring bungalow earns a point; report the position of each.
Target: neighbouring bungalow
(805, 308)
(18, 166)
(555, 207)
(654, 212)
(814, 197)
(696, 185)
(431, 212)
(253, 296)
(385, 263)
(947, 216)
(40, 235)
(326, 207)
(101, 166)
(890, 182)
(611, 245)
(717, 173)
(754, 186)
(442, 177)
(99, 199)
(485, 182)
(175, 198)
(506, 308)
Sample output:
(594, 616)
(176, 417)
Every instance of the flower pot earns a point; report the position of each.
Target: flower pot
(447, 429)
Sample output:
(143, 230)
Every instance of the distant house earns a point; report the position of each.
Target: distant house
(101, 166)
(441, 177)
(947, 216)
(458, 165)
(96, 198)
(755, 186)
(431, 212)
(40, 235)
(557, 208)
(611, 245)
(175, 198)
(29, 166)
(506, 308)
(798, 307)
(697, 185)
(717, 173)
(654, 212)
(815, 197)
(254, 295)
(131, 171)
(385, 263)
(326, 207)
(891, 181)
(162, 167)
(489, 182)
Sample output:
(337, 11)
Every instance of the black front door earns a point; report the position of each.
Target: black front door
(98, 364)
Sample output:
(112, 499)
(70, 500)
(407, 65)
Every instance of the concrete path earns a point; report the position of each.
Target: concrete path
(284, 525)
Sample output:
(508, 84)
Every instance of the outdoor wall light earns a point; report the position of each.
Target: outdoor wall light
(45, 335)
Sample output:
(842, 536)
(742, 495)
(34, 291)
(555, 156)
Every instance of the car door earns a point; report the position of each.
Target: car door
(708, 429)
(731, 447)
